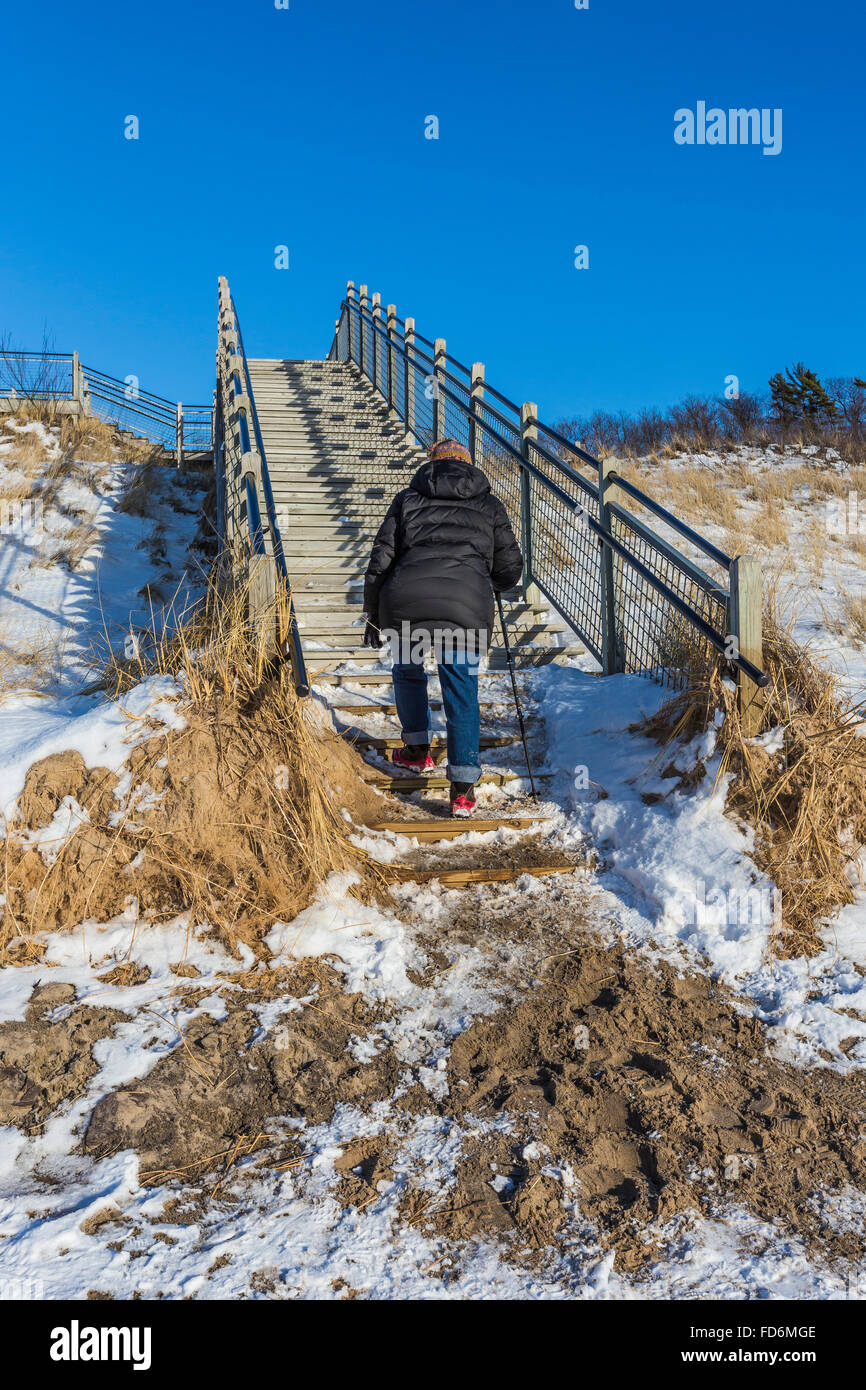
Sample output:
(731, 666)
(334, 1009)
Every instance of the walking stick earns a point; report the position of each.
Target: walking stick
(516, 696)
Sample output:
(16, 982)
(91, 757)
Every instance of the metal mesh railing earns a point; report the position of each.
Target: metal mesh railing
(197, 437)
(637, 601)
(36, 376)
(656, 636)
(124, 404)
(127, 405)
(563, 557)
(57, 376)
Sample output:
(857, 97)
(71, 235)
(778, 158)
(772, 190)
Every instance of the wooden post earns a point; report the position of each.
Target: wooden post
(76, 382)
(350, 295)
(439, 355)
(409, 374)
(230, 499)
(362, 305)
(746, 621)
(261, 599)
(179, 434)
(528, 432)
(392, 338)
(377, 313)
(476, 396)
(613, 656)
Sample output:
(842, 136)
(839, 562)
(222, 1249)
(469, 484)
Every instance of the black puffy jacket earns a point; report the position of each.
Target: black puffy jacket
(446, 543)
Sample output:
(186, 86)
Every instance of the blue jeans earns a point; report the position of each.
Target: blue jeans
(459, 682)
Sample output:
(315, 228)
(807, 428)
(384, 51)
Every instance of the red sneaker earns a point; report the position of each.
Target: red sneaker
(415, 760)
(462, 804)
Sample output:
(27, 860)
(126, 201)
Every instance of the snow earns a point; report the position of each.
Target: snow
(375, 951)
(50, 839)
(372, 949)
(102, 731)
(286, 1234)
(65, 617)
(675, 879)
(681, 870)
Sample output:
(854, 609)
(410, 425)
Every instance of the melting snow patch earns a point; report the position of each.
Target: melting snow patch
(373, 949)
(682, 871)
(49, 839)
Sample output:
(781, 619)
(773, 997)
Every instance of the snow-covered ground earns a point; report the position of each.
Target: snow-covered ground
(57, 619)
(682, 871)
(674, 881)
(803, 513)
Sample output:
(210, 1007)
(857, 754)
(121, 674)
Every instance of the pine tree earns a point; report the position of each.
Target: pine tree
(799, 395)
(785, 398)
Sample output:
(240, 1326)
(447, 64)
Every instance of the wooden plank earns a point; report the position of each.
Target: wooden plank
(746, 628)
(417, 784)
(345, 678)
(364, 707)
(361, 740)
(457, 878)
(428, 830)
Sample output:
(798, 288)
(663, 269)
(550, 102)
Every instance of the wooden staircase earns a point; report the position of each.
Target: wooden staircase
(335, 459)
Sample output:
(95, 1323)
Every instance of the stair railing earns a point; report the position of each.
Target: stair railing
(61, 377)
(248, 531)
(637, 601)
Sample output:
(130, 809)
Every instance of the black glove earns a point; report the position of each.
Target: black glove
(372, 635)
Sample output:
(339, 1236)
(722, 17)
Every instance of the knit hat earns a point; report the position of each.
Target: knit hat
(450, 449)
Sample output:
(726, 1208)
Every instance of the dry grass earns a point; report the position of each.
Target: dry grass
(695, 493)
(213, 648)
(807, 802)
(84, 437)
(77, 544)
(247, 821)
(852, 622)
(139, 495)
(29, 453)
(28, 667)
(39, 470)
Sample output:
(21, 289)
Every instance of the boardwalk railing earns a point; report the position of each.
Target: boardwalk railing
(246, 515)
(75, 389)
(610, 559)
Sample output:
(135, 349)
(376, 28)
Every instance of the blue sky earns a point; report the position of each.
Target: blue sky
(261, 127)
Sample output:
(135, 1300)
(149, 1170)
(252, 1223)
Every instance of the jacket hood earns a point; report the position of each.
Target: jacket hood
(448, 478)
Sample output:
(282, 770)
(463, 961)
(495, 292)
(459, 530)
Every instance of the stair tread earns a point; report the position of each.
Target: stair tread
(411, 783)
(361, 740)
(441, 828)
(405, 873)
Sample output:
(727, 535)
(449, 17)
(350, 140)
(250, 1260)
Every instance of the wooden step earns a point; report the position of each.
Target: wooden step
(326, 658)
(357, 678)
(324, 591)
(341, 616)
(457, 878)
(408, 783)
(330, 547)
(350, 634)
(315, 527)
(345, 678)
(428, 831)
(371, 708)
(321, 509)
(359, 739)
(329, 658)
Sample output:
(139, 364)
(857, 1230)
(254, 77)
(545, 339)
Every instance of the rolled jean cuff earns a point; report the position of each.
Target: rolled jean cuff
(462, 772)
(423, 737)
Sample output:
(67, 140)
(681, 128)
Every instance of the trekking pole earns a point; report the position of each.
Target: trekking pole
(516, 696)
